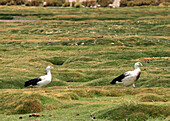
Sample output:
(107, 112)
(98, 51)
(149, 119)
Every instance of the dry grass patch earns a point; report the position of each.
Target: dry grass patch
(152, 98)
(153, 58)
(20, 69)
(21, 103)
(158, 17)
(134, 111)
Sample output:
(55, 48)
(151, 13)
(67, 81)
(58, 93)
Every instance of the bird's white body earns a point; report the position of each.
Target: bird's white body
(42, 80)
(45, 80)
(129, 77)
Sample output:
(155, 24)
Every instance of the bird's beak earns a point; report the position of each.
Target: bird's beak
(141, 65)
(51, 68)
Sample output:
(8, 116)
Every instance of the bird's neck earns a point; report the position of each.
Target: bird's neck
(137, 68)
(48, 72)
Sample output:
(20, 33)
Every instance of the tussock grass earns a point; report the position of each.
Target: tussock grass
(152, 98)
(78, 102)
(87, 48)
(20, 103)
(132, 111)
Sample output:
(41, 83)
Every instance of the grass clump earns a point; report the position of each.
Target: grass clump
(57, 83)
(57, 60)
(20, 103)
(98, 82)
(29, 106)
(131, 3)
(68, 96)
(6, 18)
(151, 98)
(134, 112)
(78, 59)
(77, 5)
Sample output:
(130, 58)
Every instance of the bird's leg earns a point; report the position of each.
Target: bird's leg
(134, 86)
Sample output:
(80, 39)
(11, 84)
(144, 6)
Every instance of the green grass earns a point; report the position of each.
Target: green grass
(90, 47)
(78, 102)
(134, 112)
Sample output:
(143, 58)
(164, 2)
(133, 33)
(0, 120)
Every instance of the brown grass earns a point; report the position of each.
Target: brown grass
(33, 100)
(20, 69)
(153, 58)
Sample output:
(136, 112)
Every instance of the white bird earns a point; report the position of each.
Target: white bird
(129, 77)
(42, 80)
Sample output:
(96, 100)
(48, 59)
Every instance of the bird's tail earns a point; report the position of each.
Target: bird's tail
(113, 81)
(27, 83)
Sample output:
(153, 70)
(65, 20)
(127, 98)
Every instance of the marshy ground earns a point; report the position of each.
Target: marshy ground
(87, 48)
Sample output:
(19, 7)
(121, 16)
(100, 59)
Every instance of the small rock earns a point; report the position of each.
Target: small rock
(33, 114)
(77, 114)
(37, 115)
(69, 80)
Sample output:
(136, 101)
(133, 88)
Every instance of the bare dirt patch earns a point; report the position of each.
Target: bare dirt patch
(153, 58)
(20, 69)
(17, 20)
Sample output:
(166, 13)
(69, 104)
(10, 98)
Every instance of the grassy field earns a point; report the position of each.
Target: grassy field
(89, 47)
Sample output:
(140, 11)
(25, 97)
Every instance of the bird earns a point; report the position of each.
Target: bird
(42, 80)
(129, 77)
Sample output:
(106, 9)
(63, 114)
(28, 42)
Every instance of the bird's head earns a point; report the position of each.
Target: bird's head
(49, 67)
(137, 64)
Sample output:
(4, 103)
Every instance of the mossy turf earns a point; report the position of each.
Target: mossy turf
(87, 48)
(85, 102)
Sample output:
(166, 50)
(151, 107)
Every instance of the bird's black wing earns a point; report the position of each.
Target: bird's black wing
(32, 82)
(119, 79)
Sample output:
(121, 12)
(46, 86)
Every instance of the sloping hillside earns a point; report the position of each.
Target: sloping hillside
(84, 103)
(87, 48)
